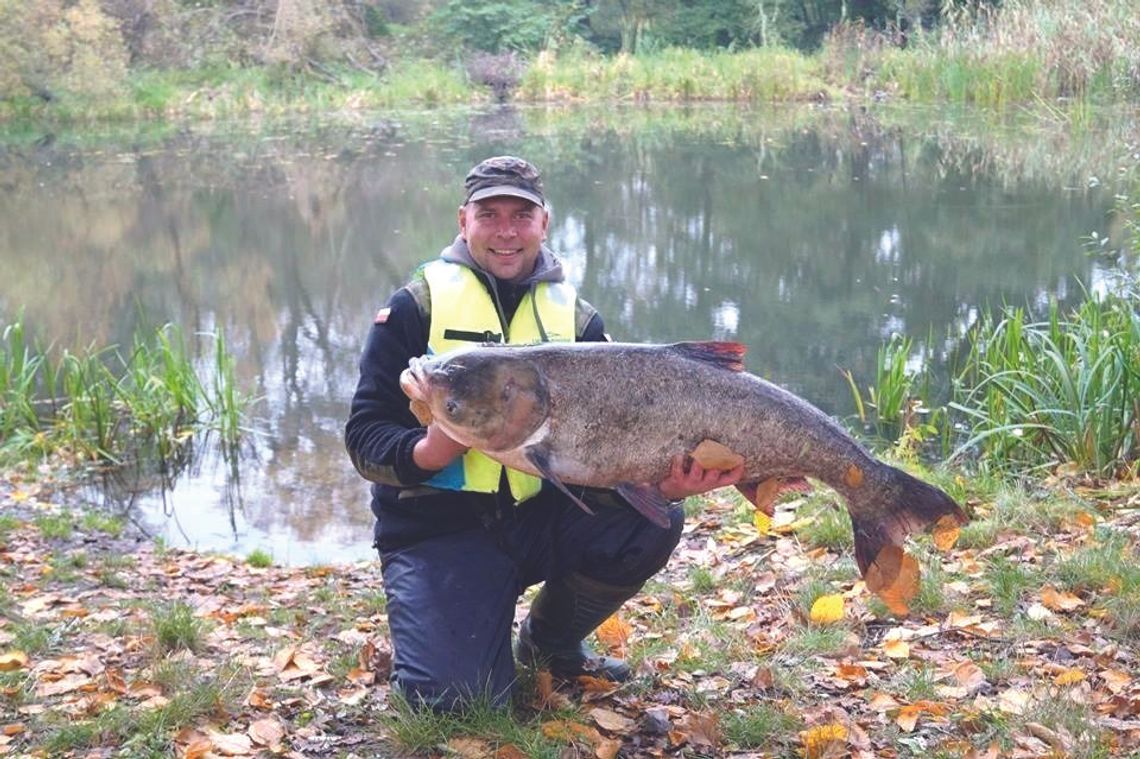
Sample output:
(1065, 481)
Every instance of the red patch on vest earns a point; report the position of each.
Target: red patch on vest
(382, 316)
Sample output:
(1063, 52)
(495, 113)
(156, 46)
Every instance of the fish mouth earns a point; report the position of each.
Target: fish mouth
(414, 380)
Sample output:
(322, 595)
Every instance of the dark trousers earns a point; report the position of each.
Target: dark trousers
(451, 597)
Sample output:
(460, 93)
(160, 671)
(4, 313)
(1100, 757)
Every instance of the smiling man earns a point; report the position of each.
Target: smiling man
(460, 536)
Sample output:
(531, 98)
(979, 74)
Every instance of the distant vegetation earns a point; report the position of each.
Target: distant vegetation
(75, 59)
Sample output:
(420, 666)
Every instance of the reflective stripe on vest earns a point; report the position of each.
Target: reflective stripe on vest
(463, 314)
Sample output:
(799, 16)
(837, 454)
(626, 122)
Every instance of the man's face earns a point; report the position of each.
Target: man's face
(504, 235)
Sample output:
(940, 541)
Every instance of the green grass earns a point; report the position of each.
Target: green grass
(760, 726)
(259, 559)
(113, 406)
(175, 627)
(417, 730)
(830, 527)
(1009, 583)
(147, 733)
(55, 526)
(1107, 566)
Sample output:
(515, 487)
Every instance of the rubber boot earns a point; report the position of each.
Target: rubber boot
(563, 613)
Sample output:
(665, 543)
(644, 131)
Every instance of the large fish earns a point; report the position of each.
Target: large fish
(614, 415)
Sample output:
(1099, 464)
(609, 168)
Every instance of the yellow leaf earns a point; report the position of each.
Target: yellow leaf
(13, 660)
(1069, 676)
(827, 609)
(897, 649)
(762, 521)
(822, 740)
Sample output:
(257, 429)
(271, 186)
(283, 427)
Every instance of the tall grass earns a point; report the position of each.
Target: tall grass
(1065, 390)
(1018, 52)
(107, 406)
(675, 74)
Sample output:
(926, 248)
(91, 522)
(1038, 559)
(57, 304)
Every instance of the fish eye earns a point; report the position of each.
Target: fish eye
(451, 406)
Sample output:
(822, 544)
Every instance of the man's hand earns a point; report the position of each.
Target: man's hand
(687, 477)
(436, 449)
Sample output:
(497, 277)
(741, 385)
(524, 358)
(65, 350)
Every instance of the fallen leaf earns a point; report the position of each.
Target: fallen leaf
(1069, 676)
(266, 732)
(702, 728)
(896, 649)
(827, 610)
(1060, 600)
(231, 744)
(13, 660)
(908, 715)
(611, 721)
(470, 748)
(510, 751)
(824, 740)
(614, 635)
(762, 522)
(894, 577)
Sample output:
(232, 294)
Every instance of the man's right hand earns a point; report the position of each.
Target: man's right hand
(436, 449)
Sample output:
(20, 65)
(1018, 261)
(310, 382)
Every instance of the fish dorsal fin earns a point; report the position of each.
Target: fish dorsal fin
(718, 353)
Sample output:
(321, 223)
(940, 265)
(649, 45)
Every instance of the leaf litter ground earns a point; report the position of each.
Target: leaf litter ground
(759, 639)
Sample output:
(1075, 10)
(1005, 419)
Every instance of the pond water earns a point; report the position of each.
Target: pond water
(812, 235)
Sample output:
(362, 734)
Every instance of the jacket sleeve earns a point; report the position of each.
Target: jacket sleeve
(381, 430)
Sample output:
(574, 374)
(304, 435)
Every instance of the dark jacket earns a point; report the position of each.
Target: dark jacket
(381, 430)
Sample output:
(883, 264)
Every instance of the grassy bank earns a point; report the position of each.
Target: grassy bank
(1024, 637)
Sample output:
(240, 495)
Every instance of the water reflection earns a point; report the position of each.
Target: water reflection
(809, 235)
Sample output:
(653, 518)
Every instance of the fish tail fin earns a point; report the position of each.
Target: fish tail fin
(902, 505)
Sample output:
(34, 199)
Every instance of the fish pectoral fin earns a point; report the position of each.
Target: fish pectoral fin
(539, 457)
(763, 495)
(648, 501)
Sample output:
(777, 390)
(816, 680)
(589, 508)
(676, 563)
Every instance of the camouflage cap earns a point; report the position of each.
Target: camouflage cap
(504, 175)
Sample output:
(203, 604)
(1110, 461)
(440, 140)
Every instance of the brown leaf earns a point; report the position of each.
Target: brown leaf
(614, 635)
(510, 751)
(1059, 600)
(470, 748)
(612, 722)
(13, 660)
(546, 697)
(266, 732)
(703, 728)
(894, 577)
(13, 729)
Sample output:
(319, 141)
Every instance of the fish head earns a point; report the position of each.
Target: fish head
(487, 398)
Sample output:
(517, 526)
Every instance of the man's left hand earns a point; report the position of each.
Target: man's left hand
(687, 477)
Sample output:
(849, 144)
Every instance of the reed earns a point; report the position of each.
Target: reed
(104, 406)
(1062, 391)
(1022, 51)
(675, 74)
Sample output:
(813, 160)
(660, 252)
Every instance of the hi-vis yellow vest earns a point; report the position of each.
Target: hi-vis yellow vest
(462, 314)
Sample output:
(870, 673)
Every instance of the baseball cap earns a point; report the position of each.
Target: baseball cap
(504, 175)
